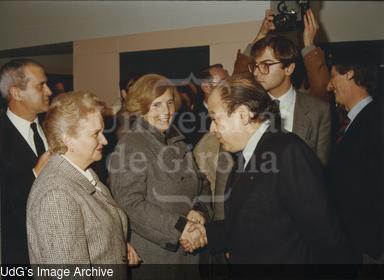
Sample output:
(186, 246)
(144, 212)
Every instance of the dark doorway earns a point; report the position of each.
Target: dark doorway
(176, 63)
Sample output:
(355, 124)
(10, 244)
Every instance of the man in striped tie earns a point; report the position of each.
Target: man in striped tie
(356, 165)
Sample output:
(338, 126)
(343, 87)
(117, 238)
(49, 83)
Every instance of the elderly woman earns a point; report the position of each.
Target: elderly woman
(154, 177)
(71, 216)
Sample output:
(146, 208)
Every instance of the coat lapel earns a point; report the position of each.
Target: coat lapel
(245, 182)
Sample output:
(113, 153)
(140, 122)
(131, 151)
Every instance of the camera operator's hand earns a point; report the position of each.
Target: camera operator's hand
(310, 28)
(266, 26)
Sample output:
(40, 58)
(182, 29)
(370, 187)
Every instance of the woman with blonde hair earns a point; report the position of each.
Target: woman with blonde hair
(154, 177)
(71, 216)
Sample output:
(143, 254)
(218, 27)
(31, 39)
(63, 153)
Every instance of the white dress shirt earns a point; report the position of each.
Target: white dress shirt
(24, 127)
(253, 141)
(357, 108)
(287, 108)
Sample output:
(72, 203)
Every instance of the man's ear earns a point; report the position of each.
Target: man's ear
(206, 87)
(290, 68)
(15, 93)
(245, 114)
(350, 74)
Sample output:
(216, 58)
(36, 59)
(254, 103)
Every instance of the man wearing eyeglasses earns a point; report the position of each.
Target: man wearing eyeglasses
(302, 114)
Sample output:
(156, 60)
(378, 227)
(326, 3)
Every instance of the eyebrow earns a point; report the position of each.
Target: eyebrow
(265, 60)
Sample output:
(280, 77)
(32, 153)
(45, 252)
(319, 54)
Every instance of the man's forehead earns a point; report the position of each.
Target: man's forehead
(215, 103)
(34, 70)
(266, 54)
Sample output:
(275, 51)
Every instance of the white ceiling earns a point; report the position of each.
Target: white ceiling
(31, 23)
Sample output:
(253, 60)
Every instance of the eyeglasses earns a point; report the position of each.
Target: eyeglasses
(263, 66)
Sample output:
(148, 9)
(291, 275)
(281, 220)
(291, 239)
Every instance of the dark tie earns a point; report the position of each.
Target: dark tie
(238, 166)
(39, 144)
(343, 126)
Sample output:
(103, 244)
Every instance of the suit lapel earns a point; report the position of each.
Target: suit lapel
(245, 182)
(301, 122)
(18, 147)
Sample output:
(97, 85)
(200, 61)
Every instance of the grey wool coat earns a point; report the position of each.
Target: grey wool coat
(71, 221)
(154, 177)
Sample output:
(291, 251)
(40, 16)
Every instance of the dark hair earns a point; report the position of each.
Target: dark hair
(244, 90)
(361, 62)
(283, 48)
(205, 74)
(13, 74)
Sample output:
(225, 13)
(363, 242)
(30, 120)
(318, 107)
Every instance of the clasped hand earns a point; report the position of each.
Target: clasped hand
(194, 235)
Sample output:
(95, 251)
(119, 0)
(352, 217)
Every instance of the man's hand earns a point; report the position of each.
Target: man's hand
(193, 237)
(133, 257)
(310, 28)
(266, 26)
(41, 162)
(196, 217)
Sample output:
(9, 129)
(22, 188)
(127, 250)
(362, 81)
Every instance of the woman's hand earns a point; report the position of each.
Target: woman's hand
(133, 258)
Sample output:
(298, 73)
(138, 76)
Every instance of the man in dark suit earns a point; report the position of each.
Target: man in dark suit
(22, 150)
(277, 208)
(356, 166)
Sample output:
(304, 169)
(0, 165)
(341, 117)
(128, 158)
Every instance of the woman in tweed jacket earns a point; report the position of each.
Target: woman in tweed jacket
(154, 177)
(71, 216)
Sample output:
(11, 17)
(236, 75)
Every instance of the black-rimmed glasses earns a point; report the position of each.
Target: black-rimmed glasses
(262, 66)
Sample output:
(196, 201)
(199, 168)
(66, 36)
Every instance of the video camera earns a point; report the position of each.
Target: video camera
(290, 20)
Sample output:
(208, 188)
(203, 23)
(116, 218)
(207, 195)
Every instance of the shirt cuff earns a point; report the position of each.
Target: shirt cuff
(34, 173)
(200, 207)
(306, 50)
(181, 223)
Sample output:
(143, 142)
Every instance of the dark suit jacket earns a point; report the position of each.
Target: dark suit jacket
(355, 184)
(278, 212)
(16, 162)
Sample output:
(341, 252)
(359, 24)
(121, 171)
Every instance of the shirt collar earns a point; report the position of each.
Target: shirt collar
(358, 107)
(21, 124)
(205, 104)
(253, 141)
(86, 173)
(285, 100)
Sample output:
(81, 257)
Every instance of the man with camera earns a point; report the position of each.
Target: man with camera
(274, 63)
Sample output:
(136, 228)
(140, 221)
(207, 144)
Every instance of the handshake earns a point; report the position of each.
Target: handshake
(194, 235)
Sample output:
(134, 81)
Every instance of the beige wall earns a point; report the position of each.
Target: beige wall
(351, 20)
(53, 64)
(96, 62)
(32, 23)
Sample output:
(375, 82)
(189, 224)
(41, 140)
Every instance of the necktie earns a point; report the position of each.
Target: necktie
(39, 144)
(343, 126)
(237, 168)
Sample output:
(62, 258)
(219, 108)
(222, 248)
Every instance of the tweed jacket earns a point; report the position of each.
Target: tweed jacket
(312, 123)
(155, 179)
(71, 221)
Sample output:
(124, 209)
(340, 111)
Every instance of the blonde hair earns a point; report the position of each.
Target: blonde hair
(64, 114)
(146, 89)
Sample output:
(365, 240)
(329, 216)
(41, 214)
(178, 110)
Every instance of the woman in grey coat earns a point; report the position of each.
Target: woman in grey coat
(71, 216)
(154, 177)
